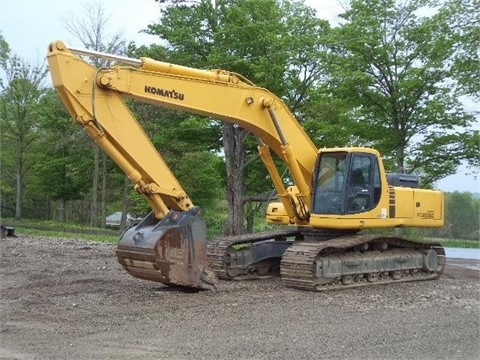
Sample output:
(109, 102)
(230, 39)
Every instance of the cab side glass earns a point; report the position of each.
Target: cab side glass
(363, 189)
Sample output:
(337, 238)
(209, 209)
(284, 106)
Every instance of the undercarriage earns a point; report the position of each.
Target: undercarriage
(325, 261)
(172, 251)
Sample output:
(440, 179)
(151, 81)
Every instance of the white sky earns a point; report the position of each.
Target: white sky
(29, 26)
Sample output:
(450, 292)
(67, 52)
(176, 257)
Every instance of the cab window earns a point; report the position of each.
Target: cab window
(346, 183)
(330, 183)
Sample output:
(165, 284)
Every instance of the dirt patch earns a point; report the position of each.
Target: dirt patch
(70, 299)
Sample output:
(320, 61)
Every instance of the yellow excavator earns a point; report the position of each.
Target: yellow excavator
(337, 192)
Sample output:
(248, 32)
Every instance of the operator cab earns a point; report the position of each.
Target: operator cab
(346, 183)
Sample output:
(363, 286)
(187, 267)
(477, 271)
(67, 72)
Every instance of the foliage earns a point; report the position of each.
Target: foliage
(327, 120)
(465, 25)
(462, 216)
(272, 43)
(91, 29)
(189, 145)
(191, 159)
(4, 56)
(62, 164)
(392, 75)
(19, 107)
(393, 65)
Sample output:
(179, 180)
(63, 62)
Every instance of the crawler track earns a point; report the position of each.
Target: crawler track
(359, 260)
(220, 250)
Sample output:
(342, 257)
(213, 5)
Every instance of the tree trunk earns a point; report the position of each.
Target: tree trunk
(93, 212)
(61, 210)
(104, 190)
(250, 221)
(125, 204)
(400, 152)
(252, 209)
(233, 138)
(19, 195)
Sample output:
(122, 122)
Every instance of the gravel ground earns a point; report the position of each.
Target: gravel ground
(70, 299)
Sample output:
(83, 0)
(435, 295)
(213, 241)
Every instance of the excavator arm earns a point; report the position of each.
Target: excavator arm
(170, 244)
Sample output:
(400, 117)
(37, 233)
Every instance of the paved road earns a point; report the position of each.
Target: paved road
(460, 253)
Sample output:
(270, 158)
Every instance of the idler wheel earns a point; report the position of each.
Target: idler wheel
(430, 260)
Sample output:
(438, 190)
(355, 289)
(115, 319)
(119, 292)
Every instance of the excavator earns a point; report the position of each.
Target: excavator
(320, 239)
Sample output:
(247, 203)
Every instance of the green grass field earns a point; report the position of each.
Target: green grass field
(471, 244)
(65, 230)
(113, 239)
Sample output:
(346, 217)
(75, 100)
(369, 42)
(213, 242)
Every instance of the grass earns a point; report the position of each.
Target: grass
(74, 231)
(469, 244)
(62, 230)
(67, 234)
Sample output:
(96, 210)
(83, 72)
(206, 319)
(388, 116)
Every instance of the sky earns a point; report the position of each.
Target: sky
(29, 26)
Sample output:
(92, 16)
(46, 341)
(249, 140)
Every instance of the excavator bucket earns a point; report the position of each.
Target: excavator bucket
(172, 251)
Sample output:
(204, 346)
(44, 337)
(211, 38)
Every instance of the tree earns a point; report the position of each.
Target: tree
(462, 215)
(189, 145)
(21, 92)
(4, 55)
(91, 31)
(61, 164)
(394, 66)
(269, 42)
(465, 25)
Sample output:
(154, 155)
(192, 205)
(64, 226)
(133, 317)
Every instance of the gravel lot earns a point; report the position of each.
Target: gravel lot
(70, 299)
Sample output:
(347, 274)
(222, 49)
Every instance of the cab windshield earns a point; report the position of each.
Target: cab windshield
(346, 183)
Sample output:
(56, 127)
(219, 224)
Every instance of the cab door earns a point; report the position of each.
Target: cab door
(363, 185)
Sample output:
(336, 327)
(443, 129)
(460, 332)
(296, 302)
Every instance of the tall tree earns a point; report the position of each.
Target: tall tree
(392, 61)
(268, 42)
(4, 54)
(20, 94)
(61, 165)
(462, 215)
(91, 30)
(189, 145)
(5, 189)
(465, 25)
